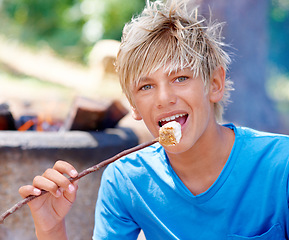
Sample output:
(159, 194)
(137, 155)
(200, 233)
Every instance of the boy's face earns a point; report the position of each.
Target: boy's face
(161, 97)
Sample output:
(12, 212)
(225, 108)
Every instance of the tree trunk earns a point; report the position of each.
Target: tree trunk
(246, 31)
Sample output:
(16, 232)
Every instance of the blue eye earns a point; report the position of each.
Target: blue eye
(181, 79)
(146, 87)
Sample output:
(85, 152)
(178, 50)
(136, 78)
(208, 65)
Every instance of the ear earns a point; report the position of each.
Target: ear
(217, 85)
(135, 114)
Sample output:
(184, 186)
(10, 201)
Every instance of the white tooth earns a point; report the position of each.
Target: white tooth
(172, 117)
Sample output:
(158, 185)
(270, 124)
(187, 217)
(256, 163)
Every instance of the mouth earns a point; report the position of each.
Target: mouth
(180, 118)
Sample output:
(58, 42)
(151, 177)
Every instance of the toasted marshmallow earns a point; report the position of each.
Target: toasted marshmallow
(170, 133)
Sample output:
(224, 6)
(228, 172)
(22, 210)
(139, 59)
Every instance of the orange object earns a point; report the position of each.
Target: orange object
(26, 125)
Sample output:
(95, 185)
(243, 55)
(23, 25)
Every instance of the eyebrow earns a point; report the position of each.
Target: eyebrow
(143, 80)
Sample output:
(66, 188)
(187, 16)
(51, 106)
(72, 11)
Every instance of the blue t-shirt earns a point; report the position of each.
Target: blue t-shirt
(249, 200)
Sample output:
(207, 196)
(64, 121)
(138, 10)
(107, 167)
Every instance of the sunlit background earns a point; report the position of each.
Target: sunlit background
(46, 55)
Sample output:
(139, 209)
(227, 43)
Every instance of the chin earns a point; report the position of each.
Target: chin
(176, 149)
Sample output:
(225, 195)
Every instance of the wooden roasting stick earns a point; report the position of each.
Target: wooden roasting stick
(169, 135)
(80, 175)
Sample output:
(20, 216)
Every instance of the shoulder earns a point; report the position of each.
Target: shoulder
(251, 134)
(262, 148)
(256, 136)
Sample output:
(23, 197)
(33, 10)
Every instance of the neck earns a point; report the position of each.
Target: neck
(200, 166)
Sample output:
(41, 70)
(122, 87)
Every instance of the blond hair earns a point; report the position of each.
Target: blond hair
(169, 35)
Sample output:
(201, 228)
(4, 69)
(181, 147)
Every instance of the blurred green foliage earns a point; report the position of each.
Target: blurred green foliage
(279, 35)
(69, 27)
(118, 12)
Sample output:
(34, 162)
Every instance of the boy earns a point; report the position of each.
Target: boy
(219, 182)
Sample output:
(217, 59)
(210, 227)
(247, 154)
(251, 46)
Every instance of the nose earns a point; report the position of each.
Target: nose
(166, 96)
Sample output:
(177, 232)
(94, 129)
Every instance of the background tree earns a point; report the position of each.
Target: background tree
(69, 27)
(246, 31)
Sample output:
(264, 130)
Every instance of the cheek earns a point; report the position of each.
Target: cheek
(143, 112)
(196, 99)
(144, 103)
(200, 106)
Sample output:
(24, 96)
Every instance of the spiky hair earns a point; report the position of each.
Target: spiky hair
(174, 36)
